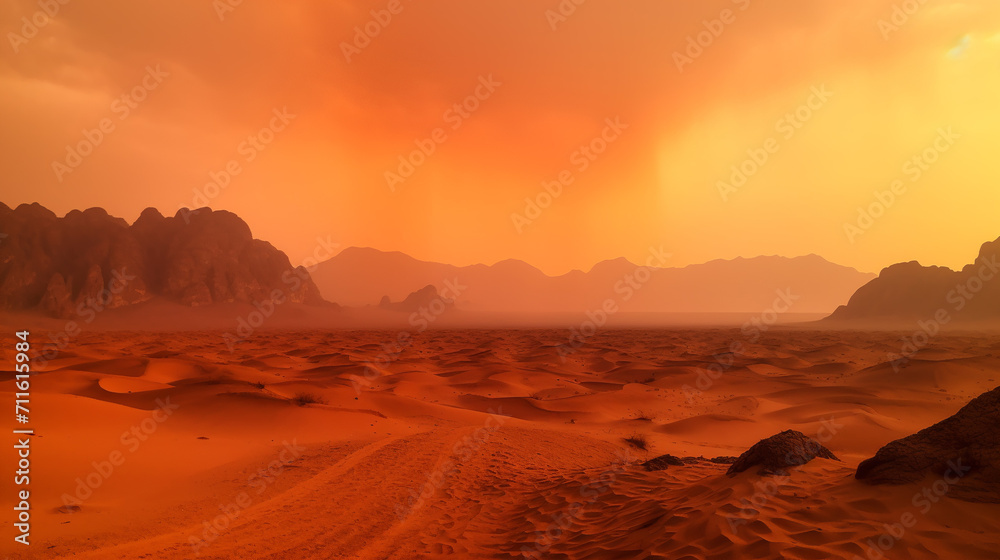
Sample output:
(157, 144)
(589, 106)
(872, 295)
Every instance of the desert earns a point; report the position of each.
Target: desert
(547, 279)
(482, 443)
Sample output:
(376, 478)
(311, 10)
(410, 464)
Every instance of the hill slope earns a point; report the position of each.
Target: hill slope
(908, 292)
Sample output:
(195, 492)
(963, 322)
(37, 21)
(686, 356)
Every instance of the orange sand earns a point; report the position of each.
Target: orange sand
(416, 467)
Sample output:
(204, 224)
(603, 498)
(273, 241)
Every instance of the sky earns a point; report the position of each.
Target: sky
(557, 132)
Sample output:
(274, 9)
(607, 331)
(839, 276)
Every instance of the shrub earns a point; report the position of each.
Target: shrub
(303, 399)
(638, 441)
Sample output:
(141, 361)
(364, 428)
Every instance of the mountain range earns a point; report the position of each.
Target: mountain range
(91, 260)
(364, 276)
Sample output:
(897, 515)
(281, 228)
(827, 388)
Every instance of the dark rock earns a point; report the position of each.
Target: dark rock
(776, 454)
(662, 462)
(964, 449)
(195, 257)
(908, 291)
(724, 460)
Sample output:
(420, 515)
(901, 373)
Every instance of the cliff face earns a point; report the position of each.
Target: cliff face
(908, 291)
(92, 259)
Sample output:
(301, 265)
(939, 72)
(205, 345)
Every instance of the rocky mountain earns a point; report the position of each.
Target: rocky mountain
(89, 260)
(362, 276)
(909, 292)
(964, 450)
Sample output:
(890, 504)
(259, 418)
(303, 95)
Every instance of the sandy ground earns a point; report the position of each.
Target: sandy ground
(487, 444)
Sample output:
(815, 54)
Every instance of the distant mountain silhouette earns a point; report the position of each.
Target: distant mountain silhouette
(362, 276)
(420, 299)
(89, 260)
(909, 292)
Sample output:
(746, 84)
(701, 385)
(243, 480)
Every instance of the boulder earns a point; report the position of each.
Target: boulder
(662, 462)
(963, 450)
(779, 453)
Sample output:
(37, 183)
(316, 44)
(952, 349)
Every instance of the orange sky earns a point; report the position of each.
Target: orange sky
(209, 82)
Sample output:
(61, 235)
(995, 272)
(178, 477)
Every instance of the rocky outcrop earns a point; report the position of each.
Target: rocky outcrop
(908, 291)
(57, 300)
(425, 298)
(89, 259)
(662, 463)
(963, 450)
(777, 454)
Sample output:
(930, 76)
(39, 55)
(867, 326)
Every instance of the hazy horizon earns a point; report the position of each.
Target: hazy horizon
(643, 115)
(341, 248)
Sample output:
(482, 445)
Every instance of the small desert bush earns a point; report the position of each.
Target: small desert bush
(644, 416)
(638, 441)
(303, 399)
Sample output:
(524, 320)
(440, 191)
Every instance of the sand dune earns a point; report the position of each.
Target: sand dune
(488, 444)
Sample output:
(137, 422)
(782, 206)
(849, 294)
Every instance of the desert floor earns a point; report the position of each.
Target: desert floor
(487, 444)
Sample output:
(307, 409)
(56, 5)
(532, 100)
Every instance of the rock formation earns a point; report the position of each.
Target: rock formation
(909, 292)
(779, 453)
(424, 298)
(963, 450)
(662, 462)
(91, 260)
